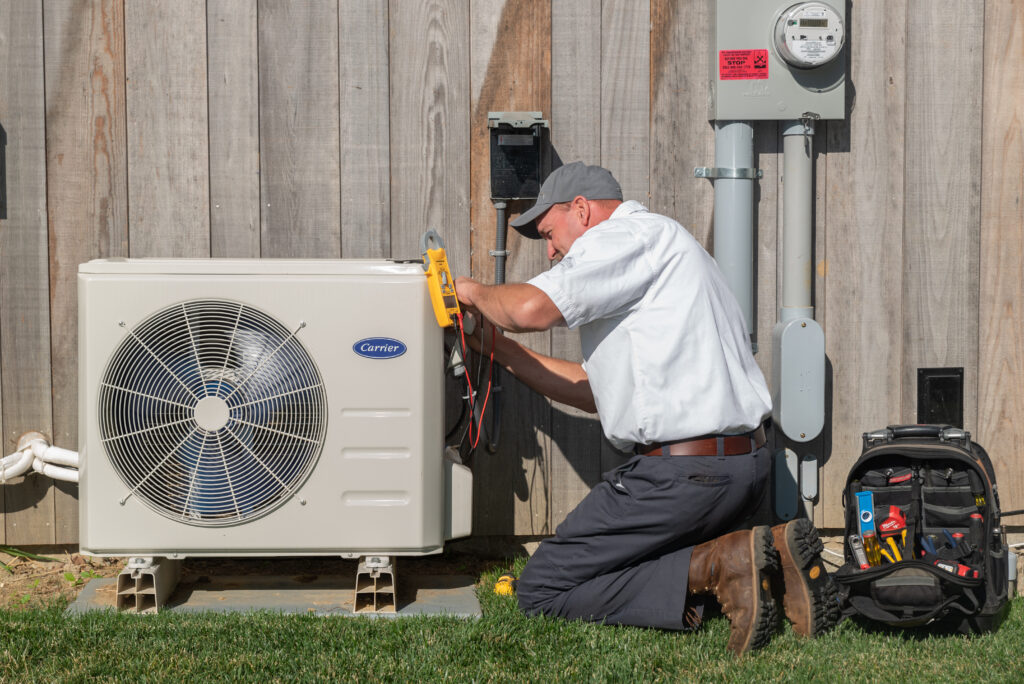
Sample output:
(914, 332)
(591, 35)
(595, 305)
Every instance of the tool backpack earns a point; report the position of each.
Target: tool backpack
(923, 542)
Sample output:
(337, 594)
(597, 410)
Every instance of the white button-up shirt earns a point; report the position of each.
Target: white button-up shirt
(663, 338)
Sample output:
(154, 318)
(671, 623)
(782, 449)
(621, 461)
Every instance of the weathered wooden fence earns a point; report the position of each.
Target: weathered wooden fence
(346, 127)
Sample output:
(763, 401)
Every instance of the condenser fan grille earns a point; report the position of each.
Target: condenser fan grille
(212, 412)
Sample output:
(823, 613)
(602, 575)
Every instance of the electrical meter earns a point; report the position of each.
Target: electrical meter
(809, 34)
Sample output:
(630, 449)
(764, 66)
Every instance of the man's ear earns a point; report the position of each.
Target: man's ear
(581, 206)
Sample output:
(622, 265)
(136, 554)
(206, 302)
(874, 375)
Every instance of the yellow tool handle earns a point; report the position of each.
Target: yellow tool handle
(895, 551)
(886, 555)
(439, 278)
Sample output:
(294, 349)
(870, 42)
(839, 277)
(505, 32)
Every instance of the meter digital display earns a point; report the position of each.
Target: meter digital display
(809, 34)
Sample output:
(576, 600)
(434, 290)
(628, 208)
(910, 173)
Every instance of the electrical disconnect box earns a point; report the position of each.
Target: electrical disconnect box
(518, 142)
(778, 60)
(940, 396)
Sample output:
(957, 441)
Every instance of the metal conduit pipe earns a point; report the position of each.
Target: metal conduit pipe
(500, 238)
(734, 212)
(798, 342)
(798, 220)
(500, 254)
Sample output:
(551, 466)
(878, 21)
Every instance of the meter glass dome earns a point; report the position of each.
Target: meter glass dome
(809, 34)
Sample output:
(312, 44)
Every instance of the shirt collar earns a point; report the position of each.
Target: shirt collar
(626, 208)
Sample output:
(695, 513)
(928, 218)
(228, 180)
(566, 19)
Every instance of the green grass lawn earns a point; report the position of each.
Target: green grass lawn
(41, 644)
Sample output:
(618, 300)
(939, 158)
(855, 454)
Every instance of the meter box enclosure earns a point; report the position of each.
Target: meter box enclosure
(518, 144)
(778, 59)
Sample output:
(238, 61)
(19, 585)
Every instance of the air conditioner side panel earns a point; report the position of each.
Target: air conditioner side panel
(379, 483)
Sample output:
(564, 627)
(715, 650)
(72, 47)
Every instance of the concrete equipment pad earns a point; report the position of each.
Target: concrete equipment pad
(451, 595)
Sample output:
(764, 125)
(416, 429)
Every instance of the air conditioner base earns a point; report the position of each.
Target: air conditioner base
(451, 595)
(145, 585)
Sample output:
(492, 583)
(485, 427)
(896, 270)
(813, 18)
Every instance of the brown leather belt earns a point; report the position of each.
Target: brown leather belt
(716, 445)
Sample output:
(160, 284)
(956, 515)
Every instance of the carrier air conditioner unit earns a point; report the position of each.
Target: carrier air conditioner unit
(263, 407)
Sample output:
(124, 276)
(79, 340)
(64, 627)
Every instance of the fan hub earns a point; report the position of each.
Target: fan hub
(212, 413)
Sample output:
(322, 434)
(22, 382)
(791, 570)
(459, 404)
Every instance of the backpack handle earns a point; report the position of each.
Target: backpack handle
(944, 433)
(912, 431)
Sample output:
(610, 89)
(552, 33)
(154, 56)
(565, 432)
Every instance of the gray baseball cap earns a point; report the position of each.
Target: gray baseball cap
(564, 184)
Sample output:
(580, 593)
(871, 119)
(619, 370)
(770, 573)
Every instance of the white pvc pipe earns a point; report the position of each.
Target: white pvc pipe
(38, 455)
(55, 455)
(56, 472)
(15, 465)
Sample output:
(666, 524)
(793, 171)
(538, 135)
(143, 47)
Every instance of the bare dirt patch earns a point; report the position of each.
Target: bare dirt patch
(27, 583)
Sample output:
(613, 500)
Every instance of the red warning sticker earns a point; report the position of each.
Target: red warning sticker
(742, 64)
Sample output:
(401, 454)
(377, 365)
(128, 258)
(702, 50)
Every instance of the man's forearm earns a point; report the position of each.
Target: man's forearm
(558, 379)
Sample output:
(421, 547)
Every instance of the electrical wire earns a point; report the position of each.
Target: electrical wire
(474, 441)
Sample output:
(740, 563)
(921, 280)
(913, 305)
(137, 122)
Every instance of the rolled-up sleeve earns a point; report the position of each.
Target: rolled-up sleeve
(604, 274)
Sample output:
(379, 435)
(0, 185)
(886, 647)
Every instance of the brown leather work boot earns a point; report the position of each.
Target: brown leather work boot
(736, 568)
(809, 594)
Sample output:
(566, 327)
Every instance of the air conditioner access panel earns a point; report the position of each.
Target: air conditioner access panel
(374, 479)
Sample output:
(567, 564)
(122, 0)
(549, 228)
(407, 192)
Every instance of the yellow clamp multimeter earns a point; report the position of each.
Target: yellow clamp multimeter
(439, 278)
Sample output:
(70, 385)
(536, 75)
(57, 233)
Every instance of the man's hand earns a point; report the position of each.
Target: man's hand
(464, 291)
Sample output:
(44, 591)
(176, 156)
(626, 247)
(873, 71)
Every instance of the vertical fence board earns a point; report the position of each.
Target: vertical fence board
(430, 100)
(300, 192)
(576, 441)
(943, 189)
(168, 161)
(681, 136)
(625, 94)
(365, 144)
(576, 80)
(510, 70)
(1001, 362)
(863, 259)
(24, 296)
(86, 183)
(510, 74)
(234, 128)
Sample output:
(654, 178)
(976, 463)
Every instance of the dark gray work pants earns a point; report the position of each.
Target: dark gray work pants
(623, 555)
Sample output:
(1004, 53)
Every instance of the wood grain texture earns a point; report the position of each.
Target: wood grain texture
(576, 444)
(24, 291)
(430, 125)
(365, 130)
(625, 94)
(943, 195)
(863, 259)
(300, 191)
(510, 70)
(233, 84)
(576, 80)
(1001, 356)
(86, 179)
(681, 137)
(168, 161)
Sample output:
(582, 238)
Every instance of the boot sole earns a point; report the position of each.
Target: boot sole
(807, 579)
(766, 613)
